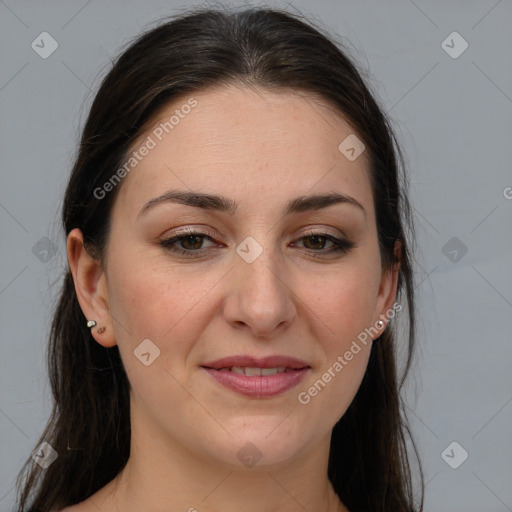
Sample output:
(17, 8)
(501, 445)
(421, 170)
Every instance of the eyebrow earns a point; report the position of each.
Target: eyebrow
(226, 205)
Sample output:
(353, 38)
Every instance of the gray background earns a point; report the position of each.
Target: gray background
(454, 119)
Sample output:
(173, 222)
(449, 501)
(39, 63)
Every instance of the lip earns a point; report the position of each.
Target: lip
(257, 362)
(261, 386)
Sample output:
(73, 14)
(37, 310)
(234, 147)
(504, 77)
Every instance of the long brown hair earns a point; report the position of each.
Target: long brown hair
(89, 425)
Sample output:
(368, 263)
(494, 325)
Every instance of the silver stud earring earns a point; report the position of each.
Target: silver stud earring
(380, 324)
(91, 323)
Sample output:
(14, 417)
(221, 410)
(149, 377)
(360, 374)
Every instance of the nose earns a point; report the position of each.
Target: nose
(259, 299)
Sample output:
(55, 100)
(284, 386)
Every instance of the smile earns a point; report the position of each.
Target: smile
(254, 382)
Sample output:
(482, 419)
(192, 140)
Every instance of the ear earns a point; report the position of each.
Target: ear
(387, 290)
(91, 288)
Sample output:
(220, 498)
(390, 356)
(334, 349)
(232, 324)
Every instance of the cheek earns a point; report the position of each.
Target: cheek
(342, 379)
(167, 304)
(343, 301)
(155, 304)
(344, 306)
(346, 349)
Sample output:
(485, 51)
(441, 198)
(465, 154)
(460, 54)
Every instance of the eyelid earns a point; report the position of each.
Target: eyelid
(204, 230)
(342, 244)
(322, 230)
(192, 230)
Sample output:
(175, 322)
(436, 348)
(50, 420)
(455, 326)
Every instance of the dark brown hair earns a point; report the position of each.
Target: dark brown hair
(268, 49)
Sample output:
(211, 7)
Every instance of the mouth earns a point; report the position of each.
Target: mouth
(258, 378)
(269, 362)
(254, 371)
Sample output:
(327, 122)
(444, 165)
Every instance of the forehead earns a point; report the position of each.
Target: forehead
(240, 139)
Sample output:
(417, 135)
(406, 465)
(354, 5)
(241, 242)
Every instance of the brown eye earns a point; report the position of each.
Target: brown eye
(191, 242)
(188, 244)
(316, 243)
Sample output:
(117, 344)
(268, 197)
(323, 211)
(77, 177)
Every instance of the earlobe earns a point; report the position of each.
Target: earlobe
(91, 290)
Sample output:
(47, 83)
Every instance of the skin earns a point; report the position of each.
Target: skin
(260, 149)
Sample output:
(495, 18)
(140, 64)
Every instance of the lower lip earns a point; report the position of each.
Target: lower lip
(263, 386)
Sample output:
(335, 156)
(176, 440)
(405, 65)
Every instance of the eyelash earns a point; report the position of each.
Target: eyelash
(340, 245)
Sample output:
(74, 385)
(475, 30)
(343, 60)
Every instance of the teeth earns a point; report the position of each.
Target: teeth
(255, 372)
(270, 371)
(252, 372)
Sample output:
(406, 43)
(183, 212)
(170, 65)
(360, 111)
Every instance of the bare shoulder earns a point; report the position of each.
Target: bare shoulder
(79, 507)
(100, 500)
(84, 506)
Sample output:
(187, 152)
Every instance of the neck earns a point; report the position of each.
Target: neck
(163, 476)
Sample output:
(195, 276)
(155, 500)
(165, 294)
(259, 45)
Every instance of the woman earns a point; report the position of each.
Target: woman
(236, 235)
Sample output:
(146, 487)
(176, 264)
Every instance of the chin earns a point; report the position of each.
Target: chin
(265, 446)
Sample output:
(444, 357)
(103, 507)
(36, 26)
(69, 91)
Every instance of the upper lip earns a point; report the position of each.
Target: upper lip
(257, 362)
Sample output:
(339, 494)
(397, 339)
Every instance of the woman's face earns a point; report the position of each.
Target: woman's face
(257, 281)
